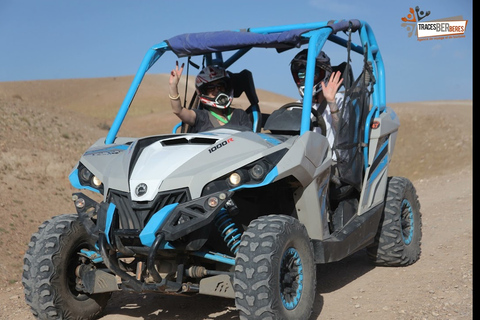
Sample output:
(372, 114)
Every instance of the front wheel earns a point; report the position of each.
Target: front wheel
(399, 236)
(275, 275)
(49, 272)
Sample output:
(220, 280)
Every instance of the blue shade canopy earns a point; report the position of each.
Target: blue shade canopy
(189, 44)
(205, 42)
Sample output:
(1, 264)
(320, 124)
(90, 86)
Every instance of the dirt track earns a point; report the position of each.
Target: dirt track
(439, 286)
(40, 142)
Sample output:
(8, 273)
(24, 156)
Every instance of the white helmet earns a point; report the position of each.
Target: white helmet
(323, 70)
(216, 77)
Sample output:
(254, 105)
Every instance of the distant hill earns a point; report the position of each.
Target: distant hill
(100, 98)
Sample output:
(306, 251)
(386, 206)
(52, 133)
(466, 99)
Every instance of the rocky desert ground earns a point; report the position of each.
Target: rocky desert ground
(46, 125)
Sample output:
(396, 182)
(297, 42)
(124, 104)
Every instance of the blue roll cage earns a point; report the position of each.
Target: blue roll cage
(315, 34)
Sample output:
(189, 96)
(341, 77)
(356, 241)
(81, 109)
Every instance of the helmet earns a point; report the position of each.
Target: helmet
(214, 76)
(323, 70)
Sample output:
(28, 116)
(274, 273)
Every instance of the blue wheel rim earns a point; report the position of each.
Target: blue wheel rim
(291, 278)
(407, 222)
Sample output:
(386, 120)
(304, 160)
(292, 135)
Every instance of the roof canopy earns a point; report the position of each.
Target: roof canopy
(200, 43)
(190, 44)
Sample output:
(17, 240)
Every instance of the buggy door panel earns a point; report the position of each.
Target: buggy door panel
(382, 142)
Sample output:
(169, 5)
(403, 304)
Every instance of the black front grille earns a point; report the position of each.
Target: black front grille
(135, 214)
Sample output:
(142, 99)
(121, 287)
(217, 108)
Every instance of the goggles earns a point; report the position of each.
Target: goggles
(319, 74)
(211, 87)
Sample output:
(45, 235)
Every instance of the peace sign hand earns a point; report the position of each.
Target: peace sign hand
(175, 75)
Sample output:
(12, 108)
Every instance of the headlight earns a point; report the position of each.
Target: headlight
(252, 174)
(213, 202)
(87, 178)
(96, 182)
(85, 175)
(258, 171)
(234, 179)
(237, 178)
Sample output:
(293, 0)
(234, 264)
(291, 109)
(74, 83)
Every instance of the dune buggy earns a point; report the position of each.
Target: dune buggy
(243, 213)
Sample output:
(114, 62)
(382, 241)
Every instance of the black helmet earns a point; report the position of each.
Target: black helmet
(323, 70)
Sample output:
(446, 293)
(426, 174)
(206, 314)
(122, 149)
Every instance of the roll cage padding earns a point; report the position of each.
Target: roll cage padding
(243, 82)
(344, 25)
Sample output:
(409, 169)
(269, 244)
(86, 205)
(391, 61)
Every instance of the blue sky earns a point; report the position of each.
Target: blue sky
(62, 39)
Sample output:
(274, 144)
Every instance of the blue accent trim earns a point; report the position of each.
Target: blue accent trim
(343, 42)
(298, 293)
(368, 38)
(166, 245)
(366, 136)
(316, 42)
(384, 145)
(268, 179)
(215, 257)
(228, 230)
(269, 138)
(147, 236)
(379, 168)
(75, 182)
(373, 176)
(381, 165)
(150, 58)
(178, 125)
(109, 219)
(94, 256)
(255, 118)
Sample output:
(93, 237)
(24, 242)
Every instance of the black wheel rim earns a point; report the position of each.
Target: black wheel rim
(407, 222)
(291, 278)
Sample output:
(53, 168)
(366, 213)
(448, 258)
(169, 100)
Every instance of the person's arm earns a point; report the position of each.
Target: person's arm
(186, 115)
(329, 92)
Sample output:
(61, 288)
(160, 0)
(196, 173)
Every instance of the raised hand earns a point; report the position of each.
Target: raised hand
(175, 74)
(330, 90)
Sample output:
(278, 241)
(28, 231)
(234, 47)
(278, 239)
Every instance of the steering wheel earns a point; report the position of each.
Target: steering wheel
(320, 121)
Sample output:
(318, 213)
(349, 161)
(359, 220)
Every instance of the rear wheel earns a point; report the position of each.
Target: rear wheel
(49, 272)
(399, 236)
(275, 274)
